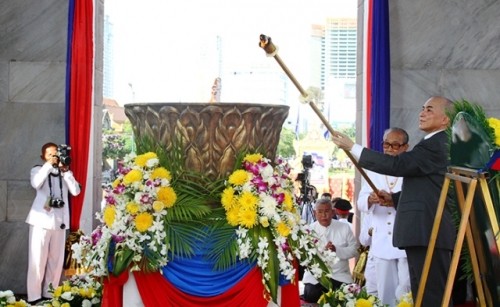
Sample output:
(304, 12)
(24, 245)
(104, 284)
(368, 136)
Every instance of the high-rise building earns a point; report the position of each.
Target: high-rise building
(340, 48)
(333, 67)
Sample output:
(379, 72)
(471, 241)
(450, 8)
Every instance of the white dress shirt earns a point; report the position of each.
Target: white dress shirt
(40, 215)
(346, 245)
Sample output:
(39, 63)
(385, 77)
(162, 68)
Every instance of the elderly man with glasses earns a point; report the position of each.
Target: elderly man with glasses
(390, 263)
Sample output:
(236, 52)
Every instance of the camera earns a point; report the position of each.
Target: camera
(62, 154)
(307, 161)
(56, 203)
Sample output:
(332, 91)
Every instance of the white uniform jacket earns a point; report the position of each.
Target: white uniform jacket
(382, 217)
(51, 218)
(346, 245)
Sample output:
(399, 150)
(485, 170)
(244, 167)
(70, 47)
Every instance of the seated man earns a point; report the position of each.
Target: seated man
(335, 236)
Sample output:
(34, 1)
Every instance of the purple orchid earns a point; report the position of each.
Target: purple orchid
(117, 238)
(120, 188)
(110, 199)
(96, 236)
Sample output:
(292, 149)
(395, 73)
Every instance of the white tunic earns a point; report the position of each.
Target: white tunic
(346, 245)
(382, 217)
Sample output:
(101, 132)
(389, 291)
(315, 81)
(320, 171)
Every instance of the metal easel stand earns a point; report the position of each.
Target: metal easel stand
(467, 229)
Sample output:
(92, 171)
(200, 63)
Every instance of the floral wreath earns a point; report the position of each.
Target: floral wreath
(259, 202)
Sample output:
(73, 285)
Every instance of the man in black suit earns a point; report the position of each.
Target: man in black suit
(423, 169)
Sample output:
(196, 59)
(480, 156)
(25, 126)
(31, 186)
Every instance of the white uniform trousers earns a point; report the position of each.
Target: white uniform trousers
(371, 276)
(393, 279)
(45, 261)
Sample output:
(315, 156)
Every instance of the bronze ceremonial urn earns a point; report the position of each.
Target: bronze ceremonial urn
(211, 134)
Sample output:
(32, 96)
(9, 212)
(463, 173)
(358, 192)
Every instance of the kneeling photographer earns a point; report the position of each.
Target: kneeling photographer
(49, 219)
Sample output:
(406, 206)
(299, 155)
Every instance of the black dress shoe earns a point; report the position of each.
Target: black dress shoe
(35, 302)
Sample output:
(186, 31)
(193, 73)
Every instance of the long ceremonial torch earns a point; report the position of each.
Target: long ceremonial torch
(271, 50)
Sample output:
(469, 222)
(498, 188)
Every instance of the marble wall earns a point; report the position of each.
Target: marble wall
(33, 39)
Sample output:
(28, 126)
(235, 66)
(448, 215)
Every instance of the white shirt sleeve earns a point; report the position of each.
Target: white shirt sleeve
(356, 150)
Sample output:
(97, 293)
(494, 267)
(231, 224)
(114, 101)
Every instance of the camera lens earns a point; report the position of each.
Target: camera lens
(63, 226)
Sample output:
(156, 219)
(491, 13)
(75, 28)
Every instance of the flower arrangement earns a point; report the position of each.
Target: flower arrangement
(78, 291)
(258, 201)
(7, 299)
(132, 233)
(495, 125)
(349, 295)
(406, 300)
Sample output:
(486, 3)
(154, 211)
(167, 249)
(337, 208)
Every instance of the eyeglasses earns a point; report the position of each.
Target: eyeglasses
(394, 146)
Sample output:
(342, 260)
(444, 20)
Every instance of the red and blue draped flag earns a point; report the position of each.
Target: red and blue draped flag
(377, 73)
(79, 89)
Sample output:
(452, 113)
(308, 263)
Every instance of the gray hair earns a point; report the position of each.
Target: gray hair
(323, 201)
(401, 131)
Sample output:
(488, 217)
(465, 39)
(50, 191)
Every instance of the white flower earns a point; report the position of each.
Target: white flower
(152, 162)
(267, 205)
(68, 296)
(267, 172)
(86, 303)
(6, 293)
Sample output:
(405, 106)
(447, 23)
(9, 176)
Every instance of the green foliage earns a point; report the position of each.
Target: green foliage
(116, 145)
(188, 221)
(285, 145)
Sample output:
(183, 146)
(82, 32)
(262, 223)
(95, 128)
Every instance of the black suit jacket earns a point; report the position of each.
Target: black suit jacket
(423, 170)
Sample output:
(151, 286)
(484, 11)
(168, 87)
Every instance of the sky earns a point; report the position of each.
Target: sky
(164, 51)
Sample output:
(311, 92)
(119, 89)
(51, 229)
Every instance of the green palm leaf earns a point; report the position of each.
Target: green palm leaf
(224, 248)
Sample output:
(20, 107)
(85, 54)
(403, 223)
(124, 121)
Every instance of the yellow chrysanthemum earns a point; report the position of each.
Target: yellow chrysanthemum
(253, 158)
(247, 218)
(132, 208)
(65, 305)
(161, 173)
(116, 182)
(363, 303)
(264, 221)
(288, 202)
(58, 291)
(248, 201)
(495, 124)
(109, 216)
(56, 303)
(404, 304)
(239, 177)
(283, 229)
(66, 286)
(227, 198)
(232, 216)
(142, 160)
(158, 206)
(167, 196)
(143, 221)
(83, 292)
(132, 176)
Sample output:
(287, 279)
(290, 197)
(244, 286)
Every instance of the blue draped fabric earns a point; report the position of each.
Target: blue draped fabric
(380, 74)
(196, 276)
